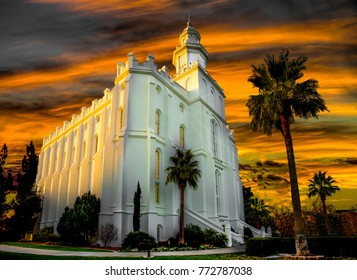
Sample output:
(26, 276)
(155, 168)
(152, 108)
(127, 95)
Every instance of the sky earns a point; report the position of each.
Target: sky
(57, 56)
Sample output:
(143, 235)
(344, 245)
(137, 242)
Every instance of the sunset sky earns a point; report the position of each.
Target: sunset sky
(58, 55)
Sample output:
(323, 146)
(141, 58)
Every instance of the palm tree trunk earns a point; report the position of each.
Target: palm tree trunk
(182, 205)
(324, 211)
(299, 229)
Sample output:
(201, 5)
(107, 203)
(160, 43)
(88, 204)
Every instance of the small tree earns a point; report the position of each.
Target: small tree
(80, 224)
(322, 186)
(68, 227)
(137, 215)
(108, 233)
(183, 170)
(86, 209)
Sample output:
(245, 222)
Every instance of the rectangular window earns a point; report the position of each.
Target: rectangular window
(157, 192)
(157, 176)
(214, 137)
(157, 166)
(121, 118)
(157, 122)
(96, 144)
(218, 192)
(182, 137)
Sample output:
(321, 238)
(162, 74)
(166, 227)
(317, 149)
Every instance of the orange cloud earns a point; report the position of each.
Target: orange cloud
(318, 143)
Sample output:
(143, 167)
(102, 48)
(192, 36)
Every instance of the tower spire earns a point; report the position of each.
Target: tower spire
(188, 20)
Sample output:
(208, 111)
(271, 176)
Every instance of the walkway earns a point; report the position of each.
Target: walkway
(23, 250)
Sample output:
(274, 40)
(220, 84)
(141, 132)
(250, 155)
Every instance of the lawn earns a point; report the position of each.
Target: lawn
(17, 256)
(54, 247)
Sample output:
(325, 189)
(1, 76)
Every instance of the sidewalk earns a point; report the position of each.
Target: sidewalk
(23, 250)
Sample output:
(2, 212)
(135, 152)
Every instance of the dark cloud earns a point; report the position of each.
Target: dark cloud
(41, 32)
(42, 100)
(352, 161)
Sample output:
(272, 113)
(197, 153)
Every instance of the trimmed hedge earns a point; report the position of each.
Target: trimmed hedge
(332, 246)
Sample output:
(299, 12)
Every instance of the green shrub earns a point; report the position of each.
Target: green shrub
(333, 246)
(193, 235)
(215, 238)
(329, 246)
(173, 241)
(138, 240)
(46, 235)
(247, 233)
(78, 225)
(261, 247)
(68, 228)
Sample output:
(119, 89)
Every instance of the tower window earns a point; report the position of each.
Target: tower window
(157, 122)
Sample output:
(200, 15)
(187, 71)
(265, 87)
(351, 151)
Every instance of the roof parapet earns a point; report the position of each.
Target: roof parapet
(76, 118)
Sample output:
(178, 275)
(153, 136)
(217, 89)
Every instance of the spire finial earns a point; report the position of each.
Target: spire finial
(188, 20)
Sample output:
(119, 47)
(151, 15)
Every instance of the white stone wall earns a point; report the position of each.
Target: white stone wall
(111, 145)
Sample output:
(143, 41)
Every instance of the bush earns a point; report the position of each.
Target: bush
(68, 228)
(138, 240)
(193, 235)
(78, 226)
(333, 246)
(173, 241)
(45, 235)
(247, 233)
(215, 238)
(108, 233)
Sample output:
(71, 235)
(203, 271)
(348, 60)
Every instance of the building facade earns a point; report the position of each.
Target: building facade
(128, 136)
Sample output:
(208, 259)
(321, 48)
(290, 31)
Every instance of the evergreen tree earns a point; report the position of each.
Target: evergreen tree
(3, 182)
(137, 215)
(27, 204)
(79, 224)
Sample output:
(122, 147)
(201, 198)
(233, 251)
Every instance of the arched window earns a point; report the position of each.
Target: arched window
(218, 191)
(157, 176)
(157, 122)
(182, 136)
(214, 141)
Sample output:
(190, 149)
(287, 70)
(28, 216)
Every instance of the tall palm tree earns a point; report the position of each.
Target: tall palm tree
(279, 101)
(183, 170)
(322, 186)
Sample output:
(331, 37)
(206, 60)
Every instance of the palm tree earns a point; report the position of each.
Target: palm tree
(279, 101)
(322, 187)
(184, 169)
(257, 213)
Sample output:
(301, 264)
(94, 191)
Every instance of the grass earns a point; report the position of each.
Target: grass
(17, 256)
(23, 256)
(53, 247)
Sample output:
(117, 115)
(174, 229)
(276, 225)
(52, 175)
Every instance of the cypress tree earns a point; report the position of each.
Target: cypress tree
(137, 215)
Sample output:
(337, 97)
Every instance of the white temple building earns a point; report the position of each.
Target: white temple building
(128, 136)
